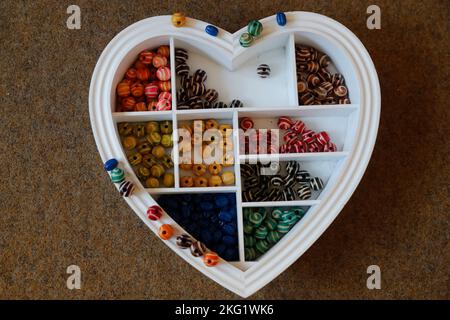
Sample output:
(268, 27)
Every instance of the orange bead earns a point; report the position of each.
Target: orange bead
(164, 51)
(146, 57)
(152, 106)
(128, 103)
(139, 65)
(123, 89)
(165, 86)
(165, 231)
(131, 74)
(186, 181)
(137, 89)
(141, 106)
(143, 74)
(211, 259)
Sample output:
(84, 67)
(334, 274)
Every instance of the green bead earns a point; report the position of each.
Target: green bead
(250, 254)
(261, 232)
(299, 212)
(249, 241)
(255, 218)
(276, 214)
(143, 173)
(273, 237)
(166, 140)
(288, 216)
(262, 246)
(166, 127)
(245, 213)
(117, 175)
(255, 28)
(248, 229)
(245, 40)
(283, 227)
(270, 223)
(262, 212)
(154, 138)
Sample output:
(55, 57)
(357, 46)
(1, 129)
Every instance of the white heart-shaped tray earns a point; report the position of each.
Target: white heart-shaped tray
(352, 127)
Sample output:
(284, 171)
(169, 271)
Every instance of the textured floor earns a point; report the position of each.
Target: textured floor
(58, 207)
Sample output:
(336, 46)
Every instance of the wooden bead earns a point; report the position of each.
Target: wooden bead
(141, 106)
(163, 73)
(228, 178)
(143, 74)
(152, 182)
(178, 19)
(165, 86)
(151, 90)
(163, 51)
(128, 103)
(187, 181)
(154, 212)
(159, 61)
(199, 169)
(168, 180)
(214, 181)
(198, 249)
(211, 259)
(123, 89)
(165, 231)
(200, 182)
(214, 168)
(137, 89)
(131, 74)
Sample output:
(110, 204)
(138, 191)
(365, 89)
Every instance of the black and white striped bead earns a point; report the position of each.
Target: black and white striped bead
(302, 176)
(292, 168)
(236, 104)
(182, 69)
(181, 55)
(277, 181)
(200, 75)
(263, 70)
(288, 194)
(316, 183)
(184, 241)
(126, 188)
(304, 192)
(198, 89)
(219, 105)
(211, 95)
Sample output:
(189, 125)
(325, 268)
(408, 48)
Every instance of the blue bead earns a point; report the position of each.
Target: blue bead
(211, 30)
(281, 18)
(214, 219)
(229, 229)
(229, 240)
(206, 206)
(206, 236)
(221, 201)
(111, 164)
(225, 215)
(186, 211)
(207, 214)
(217, 236)
(220, 249)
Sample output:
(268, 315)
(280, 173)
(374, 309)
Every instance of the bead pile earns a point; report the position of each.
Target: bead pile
(146, 85)
(183, 241)
(210, 218)
(271, 182)
(193, 93)
(264, 227)
(117, 175)
(298, 138)
(148, 146)
(315, 83)
(206, 174)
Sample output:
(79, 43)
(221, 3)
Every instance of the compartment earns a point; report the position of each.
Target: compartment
(208, 217)
(241, 80)
(338, 63)
(272, 182)
(196, 171)
(135, 73)
(264, 227)
(336, 123)
(148, 149)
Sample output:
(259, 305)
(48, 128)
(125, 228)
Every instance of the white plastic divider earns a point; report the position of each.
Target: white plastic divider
(292, 70)
(237, 164)
(173, 74)
(295, 203)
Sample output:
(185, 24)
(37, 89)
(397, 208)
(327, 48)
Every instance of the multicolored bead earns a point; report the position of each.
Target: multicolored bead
(255, 28)
(117, 175)
(198, 249)
(126, 188)
(245, 40)
(154, 212)
(184, 241)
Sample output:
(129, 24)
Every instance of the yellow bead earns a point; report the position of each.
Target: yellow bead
(214, 181)
(129, 142)
(152, 183)
(228, 178)
(178, 19)
(168, 180)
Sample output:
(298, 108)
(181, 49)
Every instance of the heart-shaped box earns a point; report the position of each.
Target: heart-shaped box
(352, 126)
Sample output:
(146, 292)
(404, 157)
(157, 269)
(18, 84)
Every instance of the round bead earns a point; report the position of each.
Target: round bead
(154, 212)
(184, 241)
(261, 232)
(143, 74)
(117, 175)
(263, 71)
(159, 61)
(249, 241)
(211, 259)
(181, 55)
(163, 105)
(281, 18)
(250, 254)
(123, 89)
(163, 51)
(178, 19)
(228, 178)
(236, 104)
(255, 218)
(151, 90)
(163, 73)
(276, 214)
(165, 231)
(146, 57)
(200, 182)
(165, 95)
(245, 40)
(246, 123)
(152, 182)
(255, 28)
(126, 188)
(270, 223)
(165, 86)
(211, 30)
(262, 246)
(304, 192)
(273, 237)
(316, 183)
(214, 181)
(198, 249)
(168, 180)
(283, 227)
(187, 181)
(110, 164)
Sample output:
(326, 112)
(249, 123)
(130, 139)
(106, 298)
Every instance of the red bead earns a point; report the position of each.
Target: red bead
(246, 123)
(137, 89)
(308, 136)
(313, 147)
(284, 123)
(163, 73)
(143, 74)
(289, 137)
(159, 61)
(151, 90)
(154, 212)
(322, 138)
(211, 259)
(165, 95)
(329, 147)
(165, 86)
(146, 57)
(128, 103)
(163, 105)
(298, 127)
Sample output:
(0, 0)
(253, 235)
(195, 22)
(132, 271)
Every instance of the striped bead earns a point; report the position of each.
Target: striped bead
(182, 69)
(163, 73)
(151, 90)
(276, 214)
(281, 19)
(159, 61)
(199, 75)
(255, 218)
(211, 259)
(128, 103)
(164, 86)
(249, 241)
(302, 176)
(181, 55)
(284, 123)
(324, 61)
(123, 89)
(250, 254)
(211, 95)
(163, 51)
(146, 57)
(340, 91)
(261, 232)
(283, 227)
(117, 175)
(304, 192)
(165, 95)
(236, 104)
(163, 105)
(198, 249)
(270, 223)
(288, 216)
(263, 70)
(131, 74)
(273, 237)
(184, 241)
(262, 246)
(245, 40)
(316, 183)
(137, 89)
(219, 105)
(143, 74)
(154, 212)
(322, 138)
(126, 188)
(198, 89)
(255, 28)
